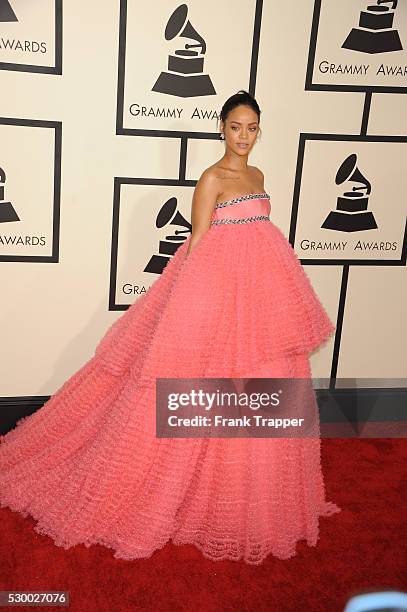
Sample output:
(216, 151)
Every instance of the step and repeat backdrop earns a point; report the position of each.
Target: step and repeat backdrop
(108, 115)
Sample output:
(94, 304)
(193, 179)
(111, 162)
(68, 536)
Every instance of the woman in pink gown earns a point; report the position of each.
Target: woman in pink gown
(234, 301)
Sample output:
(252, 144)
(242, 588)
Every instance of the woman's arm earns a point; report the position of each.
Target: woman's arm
(203, 202)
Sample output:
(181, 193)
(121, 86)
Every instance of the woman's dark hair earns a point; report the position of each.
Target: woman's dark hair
(241, 97)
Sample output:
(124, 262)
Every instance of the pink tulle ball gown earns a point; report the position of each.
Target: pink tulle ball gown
(88, 465)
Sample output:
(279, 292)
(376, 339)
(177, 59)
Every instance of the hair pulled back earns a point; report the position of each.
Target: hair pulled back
(241, 97)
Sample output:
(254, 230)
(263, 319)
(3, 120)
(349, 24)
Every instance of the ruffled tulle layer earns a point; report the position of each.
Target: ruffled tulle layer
(88, 465)
(240, 299)
(89, 469)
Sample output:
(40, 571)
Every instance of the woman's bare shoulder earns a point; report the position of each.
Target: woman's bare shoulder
(258, 177)
(257, 171)
(213, 173)
(208, 184)
(211, 179)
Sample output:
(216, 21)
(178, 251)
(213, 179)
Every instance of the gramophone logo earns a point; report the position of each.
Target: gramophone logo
(184, 77)
(6, 12)
(351, 214)
(375, 33)
(7, 212)
(168, 215)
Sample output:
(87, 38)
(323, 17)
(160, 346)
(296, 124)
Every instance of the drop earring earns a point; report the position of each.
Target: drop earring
(222, 136)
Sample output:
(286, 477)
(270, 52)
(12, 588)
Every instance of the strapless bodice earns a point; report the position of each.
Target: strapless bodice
(242, 209)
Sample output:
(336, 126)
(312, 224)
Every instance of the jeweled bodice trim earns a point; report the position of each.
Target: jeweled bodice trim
(249, 207)
(244, 220)
(249, 196)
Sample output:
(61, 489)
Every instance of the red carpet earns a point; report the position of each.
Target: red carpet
(361, 548)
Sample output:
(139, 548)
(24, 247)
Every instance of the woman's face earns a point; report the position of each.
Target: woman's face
(241, 129)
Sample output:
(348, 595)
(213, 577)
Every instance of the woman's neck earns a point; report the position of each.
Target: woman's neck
(235, 162)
